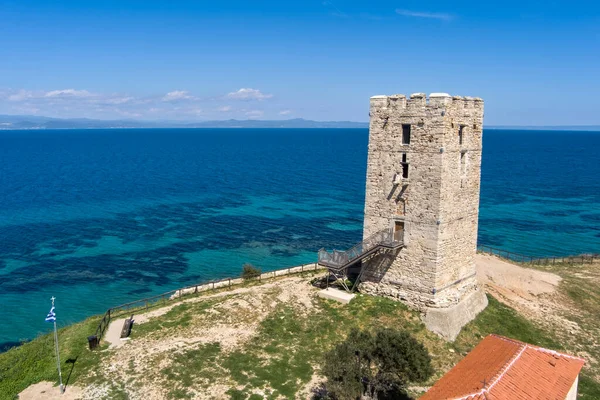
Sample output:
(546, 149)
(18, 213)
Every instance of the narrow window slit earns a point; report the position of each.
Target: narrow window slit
(405, 134)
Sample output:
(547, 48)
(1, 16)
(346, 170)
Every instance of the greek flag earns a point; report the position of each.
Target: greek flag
(51, 317)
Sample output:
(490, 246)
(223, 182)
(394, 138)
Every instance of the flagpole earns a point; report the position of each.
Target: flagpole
(62, 389)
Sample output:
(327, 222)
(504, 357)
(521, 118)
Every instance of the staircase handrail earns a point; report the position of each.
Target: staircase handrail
(385, 237)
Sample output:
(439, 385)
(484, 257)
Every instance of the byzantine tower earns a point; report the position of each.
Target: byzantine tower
(423, 178)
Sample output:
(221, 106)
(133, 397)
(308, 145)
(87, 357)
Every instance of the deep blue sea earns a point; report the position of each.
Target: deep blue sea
(102, 217)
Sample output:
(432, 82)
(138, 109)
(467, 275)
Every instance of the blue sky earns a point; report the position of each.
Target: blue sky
(534, 63)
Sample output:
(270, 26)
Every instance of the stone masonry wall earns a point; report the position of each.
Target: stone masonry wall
(438, 202)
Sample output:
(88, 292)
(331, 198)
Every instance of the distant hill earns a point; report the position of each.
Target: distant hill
(547, 128)
(9, 122)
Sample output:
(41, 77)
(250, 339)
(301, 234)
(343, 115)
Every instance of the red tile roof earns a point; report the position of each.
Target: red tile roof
(499, 368)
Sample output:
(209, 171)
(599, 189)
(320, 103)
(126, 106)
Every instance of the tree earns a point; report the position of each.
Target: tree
(249, 271)
(375, 364)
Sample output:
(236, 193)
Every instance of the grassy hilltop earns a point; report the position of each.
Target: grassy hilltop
(267, 341)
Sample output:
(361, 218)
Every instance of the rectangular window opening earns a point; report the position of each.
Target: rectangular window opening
(398, 226)
(405, 134)
(460, 134)
(404, 166)
(398, 230)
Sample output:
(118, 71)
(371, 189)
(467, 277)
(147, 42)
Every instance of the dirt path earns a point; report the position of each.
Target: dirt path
(513, 281)
(531, 292)
(47, 391)
(113, 333)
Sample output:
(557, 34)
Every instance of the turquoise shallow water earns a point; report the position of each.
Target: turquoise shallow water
(99, 218)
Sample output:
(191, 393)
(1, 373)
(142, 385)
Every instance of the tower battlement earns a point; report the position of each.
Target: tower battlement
(423, 178)
(421, 100)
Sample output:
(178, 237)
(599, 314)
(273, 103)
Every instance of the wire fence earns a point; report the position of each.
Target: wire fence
(148, 302)
(521, 258)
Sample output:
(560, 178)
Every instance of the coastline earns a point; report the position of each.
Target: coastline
(137, 228)
(176, 294)
(258, 325)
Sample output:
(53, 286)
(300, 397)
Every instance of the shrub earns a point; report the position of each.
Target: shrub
(373, 365)
(249, 271)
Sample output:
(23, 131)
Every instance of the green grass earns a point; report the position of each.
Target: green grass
(588, 388)
(580, 289)
(288, 347)
(34, 361)
(502, 320)
(191, 366)
(178, 317)
(278, 357)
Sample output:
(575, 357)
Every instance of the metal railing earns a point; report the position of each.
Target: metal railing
(337, 258)
(146, 303)
(521, 258)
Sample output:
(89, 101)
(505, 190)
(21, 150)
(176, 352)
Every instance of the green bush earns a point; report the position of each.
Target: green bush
(375, 365)
(249, 272)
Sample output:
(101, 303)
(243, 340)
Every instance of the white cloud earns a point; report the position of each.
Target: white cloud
(119, 100)
(285, 112)
(175, 105)
(177, 95)
(26, 109)
(421, 14)
(248, 94)
(20, 95)
(254, 114)
(195, 111)
(68, 93)
(127, 113)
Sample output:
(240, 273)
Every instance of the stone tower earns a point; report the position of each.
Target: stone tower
(423, 176)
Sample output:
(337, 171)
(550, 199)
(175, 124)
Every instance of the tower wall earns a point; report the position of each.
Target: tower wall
(437, 202)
